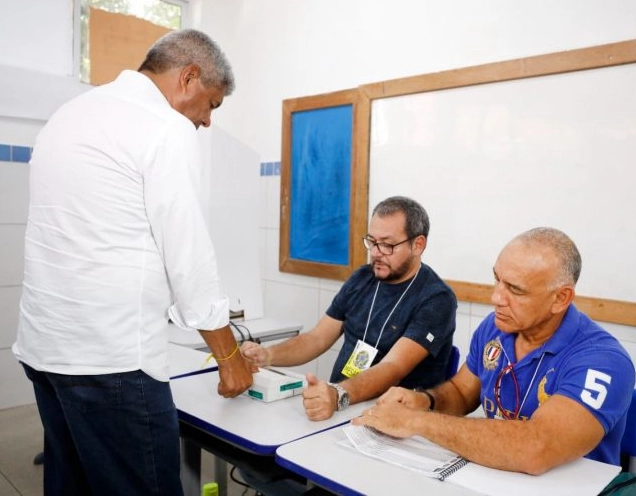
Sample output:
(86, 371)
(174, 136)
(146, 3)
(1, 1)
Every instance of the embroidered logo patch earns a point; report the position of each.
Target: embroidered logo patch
(492, 352)
(542, 395)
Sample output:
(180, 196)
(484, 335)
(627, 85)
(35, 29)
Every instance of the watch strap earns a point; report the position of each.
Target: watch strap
(343, 396)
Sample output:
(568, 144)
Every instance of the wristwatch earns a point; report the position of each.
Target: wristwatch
(343, 396)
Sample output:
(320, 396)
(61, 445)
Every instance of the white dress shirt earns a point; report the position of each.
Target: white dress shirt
(116, 241)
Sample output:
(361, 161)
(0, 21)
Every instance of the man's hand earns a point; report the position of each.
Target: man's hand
(320, 399)
(393, 410)
(235, 376)
(405, 397)
(392, 418)
(256, 355)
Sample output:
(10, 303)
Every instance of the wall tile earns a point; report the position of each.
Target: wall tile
(262, 251)
(332, 285)
(20, 154)
(463, 331)
(9, 309)
(263, 217)
(480, 310)
(463, 307)
(270, 168)
(16, 388)
(15, 153)
(11, 254)
(14, 193)
(297, 303)
(5, 153)
(272, 272)
(273, 202)
(631, 349)
(325, 299)
(622, 332)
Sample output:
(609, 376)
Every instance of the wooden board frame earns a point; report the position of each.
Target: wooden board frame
(601, 309)
(357, 192)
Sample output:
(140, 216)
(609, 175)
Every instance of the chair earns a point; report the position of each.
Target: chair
(453, 363)
(628, 443)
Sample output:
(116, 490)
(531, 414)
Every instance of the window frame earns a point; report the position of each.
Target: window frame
(186, 22)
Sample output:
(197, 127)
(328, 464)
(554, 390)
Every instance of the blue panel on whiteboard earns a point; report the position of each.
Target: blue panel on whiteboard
(320, 184)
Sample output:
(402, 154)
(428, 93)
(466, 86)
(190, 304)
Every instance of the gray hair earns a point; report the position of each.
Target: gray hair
(188, 46)
(570, 262)
(417, 222)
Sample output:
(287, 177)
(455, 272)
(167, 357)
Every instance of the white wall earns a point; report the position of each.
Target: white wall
(282, 49)
(288, 48)
(37, 35)
(36, 64)
(14, 387)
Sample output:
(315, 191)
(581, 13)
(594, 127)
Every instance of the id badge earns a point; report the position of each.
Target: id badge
(361, 359)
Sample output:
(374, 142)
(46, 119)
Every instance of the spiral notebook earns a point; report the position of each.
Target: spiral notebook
(415, 453)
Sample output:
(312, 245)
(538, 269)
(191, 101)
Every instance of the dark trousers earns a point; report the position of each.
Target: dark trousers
(111, 434)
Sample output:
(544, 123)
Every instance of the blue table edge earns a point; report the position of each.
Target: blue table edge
(322, 481)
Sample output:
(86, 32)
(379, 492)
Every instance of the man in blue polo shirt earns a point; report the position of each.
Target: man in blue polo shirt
(562, 384)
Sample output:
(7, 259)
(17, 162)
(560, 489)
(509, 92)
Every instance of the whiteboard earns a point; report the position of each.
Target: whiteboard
(491, 161)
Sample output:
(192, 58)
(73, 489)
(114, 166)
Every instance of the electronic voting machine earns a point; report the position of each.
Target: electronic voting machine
(271, 384)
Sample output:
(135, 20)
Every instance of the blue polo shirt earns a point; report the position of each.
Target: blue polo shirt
(581, 361)
(426, 314)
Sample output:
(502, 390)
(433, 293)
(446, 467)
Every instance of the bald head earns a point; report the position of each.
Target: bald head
(549, 243)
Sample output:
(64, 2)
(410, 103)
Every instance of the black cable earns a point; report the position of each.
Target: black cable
(238, 328)
(239, 482)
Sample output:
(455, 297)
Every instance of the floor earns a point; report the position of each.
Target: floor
(21, 440)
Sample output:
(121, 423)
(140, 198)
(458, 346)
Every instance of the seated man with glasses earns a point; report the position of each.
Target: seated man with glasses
(396, 316)
(561, 383)
(397, 319)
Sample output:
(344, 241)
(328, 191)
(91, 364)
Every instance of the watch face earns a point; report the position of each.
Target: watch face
(343, 396)
(343, 400)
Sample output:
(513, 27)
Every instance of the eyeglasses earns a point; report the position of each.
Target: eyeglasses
(383, 248)
(508, 414)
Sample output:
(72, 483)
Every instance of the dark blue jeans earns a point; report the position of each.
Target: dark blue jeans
(111, 434)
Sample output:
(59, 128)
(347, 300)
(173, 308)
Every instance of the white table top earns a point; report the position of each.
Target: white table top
(321, 459)
(184, 360)
(345, 471)
(258, 328)
(245, 422)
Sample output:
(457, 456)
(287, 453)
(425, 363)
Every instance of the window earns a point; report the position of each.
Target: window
(112, 35)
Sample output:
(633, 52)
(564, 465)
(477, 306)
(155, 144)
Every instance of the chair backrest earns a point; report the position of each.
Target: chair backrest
(628, 443)
(453, 363)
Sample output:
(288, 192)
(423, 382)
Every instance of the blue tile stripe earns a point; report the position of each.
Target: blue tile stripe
(15, 153)
(270, 168)
(22, 154)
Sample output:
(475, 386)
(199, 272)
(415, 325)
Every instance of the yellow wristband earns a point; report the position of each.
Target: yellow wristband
(211, 356)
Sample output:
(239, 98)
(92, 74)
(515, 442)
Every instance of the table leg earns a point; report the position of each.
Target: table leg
(190, 468)
(220, 473)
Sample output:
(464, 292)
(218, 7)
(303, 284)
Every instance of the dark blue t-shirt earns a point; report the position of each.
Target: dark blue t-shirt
(426, 315)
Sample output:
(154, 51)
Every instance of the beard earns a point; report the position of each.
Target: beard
(396, 273)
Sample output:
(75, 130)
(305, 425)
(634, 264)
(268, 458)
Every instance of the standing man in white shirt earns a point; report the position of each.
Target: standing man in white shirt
(116, 243)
